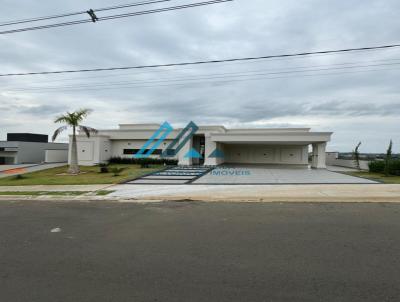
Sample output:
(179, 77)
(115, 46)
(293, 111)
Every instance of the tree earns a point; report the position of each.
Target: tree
(388, 158)
(356, 156)
(73, 120)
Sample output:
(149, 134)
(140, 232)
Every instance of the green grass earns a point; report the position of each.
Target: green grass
(103, 192)
(54, 193)
(57, 176)
(40, 193)
(377, 177)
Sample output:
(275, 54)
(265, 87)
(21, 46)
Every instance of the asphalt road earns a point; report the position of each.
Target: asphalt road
(199, 252)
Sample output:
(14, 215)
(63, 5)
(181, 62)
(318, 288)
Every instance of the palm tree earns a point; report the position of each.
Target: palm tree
(356, 156)
(388, 158)
(73, 120)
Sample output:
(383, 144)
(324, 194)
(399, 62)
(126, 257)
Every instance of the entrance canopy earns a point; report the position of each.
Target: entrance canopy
(286, 138)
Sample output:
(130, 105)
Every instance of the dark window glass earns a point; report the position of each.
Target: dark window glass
(134, 151)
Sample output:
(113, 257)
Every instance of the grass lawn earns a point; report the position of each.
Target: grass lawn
(377, 176)
(57, 176)
(54, 193)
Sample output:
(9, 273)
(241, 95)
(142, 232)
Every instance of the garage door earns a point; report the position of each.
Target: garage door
(291, 155)
(263, 154)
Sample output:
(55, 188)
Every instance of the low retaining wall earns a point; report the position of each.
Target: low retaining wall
(348, 163)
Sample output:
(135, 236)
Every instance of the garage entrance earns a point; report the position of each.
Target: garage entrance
(266, 154)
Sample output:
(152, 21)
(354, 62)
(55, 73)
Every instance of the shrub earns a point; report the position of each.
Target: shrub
(117, 171)
(376, 166)
(143, 162)
(103, 168)
(394, 167)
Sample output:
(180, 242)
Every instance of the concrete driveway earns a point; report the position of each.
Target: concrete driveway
(267, 174)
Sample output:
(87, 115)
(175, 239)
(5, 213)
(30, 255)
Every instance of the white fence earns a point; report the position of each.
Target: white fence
(56, 156)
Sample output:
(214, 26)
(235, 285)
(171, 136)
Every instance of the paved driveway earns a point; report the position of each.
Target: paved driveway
(264, 174)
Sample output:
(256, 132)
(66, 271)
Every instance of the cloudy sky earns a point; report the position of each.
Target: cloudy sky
(357, 95)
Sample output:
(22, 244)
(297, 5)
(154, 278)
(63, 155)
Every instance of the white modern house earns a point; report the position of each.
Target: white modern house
(278, 146)
(31, 148)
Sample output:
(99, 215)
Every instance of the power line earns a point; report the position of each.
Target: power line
(209, 82)
(190, 68)
(112, 17)
(206, 62)
(249, 75)
(81, 12)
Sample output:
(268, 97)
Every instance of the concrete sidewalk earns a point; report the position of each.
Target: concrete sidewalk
(225, 193)
(262, 193)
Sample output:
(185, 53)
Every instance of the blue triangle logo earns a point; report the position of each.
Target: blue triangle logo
(217, 154)
(193, 154)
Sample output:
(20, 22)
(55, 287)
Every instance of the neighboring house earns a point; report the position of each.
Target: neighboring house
(29, 148)
(288, 146)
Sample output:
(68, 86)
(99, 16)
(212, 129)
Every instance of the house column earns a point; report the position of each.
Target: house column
(210, 148)
(182, 159)
(319, 156)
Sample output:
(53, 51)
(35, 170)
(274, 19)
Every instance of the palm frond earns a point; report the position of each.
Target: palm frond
(63, 119)
(58, 131)
(82, 113)
(88, 130)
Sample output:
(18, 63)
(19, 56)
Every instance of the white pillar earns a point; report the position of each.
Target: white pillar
(184, 161)
(319, 156)
(210, 147)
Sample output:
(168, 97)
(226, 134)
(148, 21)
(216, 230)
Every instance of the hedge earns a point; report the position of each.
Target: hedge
(394, 167)
(143, 161)
(378, 166)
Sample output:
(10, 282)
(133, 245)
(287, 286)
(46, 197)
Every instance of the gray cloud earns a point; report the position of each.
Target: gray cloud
(333, 100)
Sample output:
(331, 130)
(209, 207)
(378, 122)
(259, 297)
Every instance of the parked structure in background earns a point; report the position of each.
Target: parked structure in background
(280, 146)
(30, 148)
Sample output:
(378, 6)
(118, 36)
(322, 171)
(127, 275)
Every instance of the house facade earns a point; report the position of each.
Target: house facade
(31, 148)
(277, 146)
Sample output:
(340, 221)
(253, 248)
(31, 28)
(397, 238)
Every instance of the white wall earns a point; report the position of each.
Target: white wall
(56, 156)
(333, 160)
(348, 163)
(32, 152)
(99, 149)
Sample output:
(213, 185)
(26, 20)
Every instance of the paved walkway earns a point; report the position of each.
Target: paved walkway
(174, 176)
(13, 167)
(22, 169)
(261, 193)
(259, 174)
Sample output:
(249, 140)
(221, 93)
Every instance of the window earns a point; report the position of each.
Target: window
(134, 151)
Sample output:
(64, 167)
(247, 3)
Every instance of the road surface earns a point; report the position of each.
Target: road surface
(58, 251)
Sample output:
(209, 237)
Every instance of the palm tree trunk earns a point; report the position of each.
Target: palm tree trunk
(73, 166)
